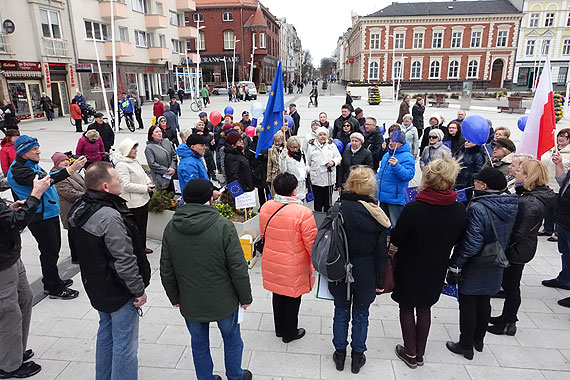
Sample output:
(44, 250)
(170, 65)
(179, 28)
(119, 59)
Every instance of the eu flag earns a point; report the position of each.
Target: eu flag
(411, 193)
(273, 117)
(461, 195)
(447, 144)
(450, 290)
(234, 189)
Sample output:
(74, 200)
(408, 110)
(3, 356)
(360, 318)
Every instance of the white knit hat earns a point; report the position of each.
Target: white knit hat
(126, 146)
(322, 130)
(357, 135)
(438, 132)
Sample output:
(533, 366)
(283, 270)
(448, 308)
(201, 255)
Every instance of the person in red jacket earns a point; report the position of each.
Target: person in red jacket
(75, 111)
(8, 152)
(90, 145)
(157, 108)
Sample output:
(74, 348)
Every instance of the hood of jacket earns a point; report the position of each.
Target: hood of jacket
(184, 151)
(6, 143)
(92, 201)
(407, 128)
(403, 149)
(193, 219)
(502, 205)
(121, 158)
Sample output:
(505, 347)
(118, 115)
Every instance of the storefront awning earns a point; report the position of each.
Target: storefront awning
(22, 74)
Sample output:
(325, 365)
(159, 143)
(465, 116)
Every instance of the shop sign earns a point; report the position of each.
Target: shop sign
(149, 69)
(218, 58)
(84, 67)
(48, 80)
(71, 75)
(20, 66)
(58, 67)
(9, 65)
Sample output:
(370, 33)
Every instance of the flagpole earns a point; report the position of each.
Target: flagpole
(115, 95)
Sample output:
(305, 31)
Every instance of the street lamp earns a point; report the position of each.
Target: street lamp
(234, 61)
(393, 57)
(401, 74)
(198, 41)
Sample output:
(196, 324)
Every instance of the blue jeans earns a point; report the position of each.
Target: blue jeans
(117, 344)
(392, 211)
(233, 348)
(564, 248)
(359, 325)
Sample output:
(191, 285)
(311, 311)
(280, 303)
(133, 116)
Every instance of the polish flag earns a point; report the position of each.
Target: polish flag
(538, 135)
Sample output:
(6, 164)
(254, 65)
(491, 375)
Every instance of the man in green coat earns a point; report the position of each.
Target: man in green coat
(205, 96)
(204, 272)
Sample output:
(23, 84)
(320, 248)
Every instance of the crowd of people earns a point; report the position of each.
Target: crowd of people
(489, 236)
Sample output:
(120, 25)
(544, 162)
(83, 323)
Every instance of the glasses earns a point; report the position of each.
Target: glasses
(347, 125)
(433, 137)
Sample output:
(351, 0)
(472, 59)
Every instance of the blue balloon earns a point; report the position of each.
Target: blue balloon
(522, 122)
(347, 146)
(290, 121)
(228, 110)
(475, 128)
(339, 145)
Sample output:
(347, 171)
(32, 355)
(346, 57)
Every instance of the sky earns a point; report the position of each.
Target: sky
(319, 23)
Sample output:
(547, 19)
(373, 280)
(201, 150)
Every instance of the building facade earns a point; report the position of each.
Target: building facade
(544, 31)
(244, 28)
(290, 51)
(435, 45)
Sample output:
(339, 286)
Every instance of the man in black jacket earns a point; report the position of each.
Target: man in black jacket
(296, 119)
(344, 116)
(17, 296)
(138, 110)
(114, 269)
(105, 131)
(373, 140)
(418, 115)
(353, 155)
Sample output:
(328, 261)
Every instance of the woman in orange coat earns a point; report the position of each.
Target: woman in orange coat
(75, 111)
(286, 262)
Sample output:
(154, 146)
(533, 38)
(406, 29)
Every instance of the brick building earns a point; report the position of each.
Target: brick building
(226, 21)
(434, 45)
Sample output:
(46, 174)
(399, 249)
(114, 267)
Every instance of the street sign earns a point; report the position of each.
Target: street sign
(8, 26)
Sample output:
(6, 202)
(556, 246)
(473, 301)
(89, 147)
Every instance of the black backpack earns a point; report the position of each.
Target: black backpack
(330, 249)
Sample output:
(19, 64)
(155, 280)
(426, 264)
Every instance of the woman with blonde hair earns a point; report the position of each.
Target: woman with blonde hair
(292, 160)
(420, 268)
(365, 225)
(534, 198)
(518, 159)
(273, 154)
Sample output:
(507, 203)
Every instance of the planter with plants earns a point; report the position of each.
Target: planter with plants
(161, 208)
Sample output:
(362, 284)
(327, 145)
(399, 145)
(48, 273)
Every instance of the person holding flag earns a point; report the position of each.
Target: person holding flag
(273, 117)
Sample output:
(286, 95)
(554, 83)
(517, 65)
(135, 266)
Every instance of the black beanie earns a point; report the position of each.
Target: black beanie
(198, 190)
(194, 139)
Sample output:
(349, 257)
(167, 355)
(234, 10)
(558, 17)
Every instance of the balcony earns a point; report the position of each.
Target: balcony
(122, 49)
(159, 53)
(156, 21)
(185, 5)
(120, 9)
(5, 47)
(187, 32)
(53, 47)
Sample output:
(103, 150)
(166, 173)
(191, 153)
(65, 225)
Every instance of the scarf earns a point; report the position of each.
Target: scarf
(437, 198)
(284, 199)
(371, 205)
(295, 155)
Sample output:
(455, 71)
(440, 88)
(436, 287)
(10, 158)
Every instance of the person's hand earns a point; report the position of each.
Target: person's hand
(383, 145)
(557, 158)
(212, 142)
(329, 164)
(215, 172)
(393, 161)
(17, 205)
(453, 275)
(379, 291)
(171, 171)
(415, 156)
(78, 164)
(40, 185)
(245, 306)
(177, 305)
(216, 194)
(150, 188)
(339, 189)
(140, 300)
(392, 249)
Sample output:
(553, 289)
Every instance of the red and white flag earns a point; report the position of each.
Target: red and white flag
(538, 135)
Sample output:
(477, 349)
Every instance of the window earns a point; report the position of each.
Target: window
(123, 34)
(202, 40)
(562, 75)
(418, 40)
(434, 70)
(159, 10)
(262, 41)
(545, 47)
(198, 17)
(502, 38)
(472, 69)
(96, 31)
(139, 6)
(176, 46)
(397, 70)
(533, 21)
(529, 52)
(142, 39)
(373, 71)
(50, 24)
(456, 38)
(131, 82)
(375, 41)
(416, 72)
(227, 16)
(399, 41)
(95, 82)
(549, 19)
(229, 38)
(173, 18)
(566, 47)
(476, 39)
(568, 20)
(453, 71)
(437, 40)
(162, 40)
(253, 40)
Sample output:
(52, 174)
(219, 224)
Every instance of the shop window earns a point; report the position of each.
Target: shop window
(165, 83)
(132, 83)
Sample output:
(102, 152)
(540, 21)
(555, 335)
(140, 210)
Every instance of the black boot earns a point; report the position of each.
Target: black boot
(496, 320)
(339, 356)
(358, 360)
(503, 328)
(456, 348)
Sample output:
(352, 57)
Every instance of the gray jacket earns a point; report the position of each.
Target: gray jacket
(433, 152)
(160, 157)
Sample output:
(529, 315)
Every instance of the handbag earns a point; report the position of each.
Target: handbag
(492, 254)
(389, 279)
(260, 243)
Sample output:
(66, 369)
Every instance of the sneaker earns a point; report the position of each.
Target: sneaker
(565, 302)
(66, 283)
(65, 294)
(28, 354)
(554, 283)
(339, 356)
(247, 375)
(27, 369)
(410, 361)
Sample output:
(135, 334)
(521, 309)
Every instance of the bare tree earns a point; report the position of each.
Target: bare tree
(307, 64)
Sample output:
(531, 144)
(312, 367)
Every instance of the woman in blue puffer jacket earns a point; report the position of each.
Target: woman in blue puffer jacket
(478, 281)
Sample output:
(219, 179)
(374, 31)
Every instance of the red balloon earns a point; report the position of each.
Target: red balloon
(250, 131)
(215, 117)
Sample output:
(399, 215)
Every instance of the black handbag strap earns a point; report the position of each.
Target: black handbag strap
(493, 226)
(271, 217)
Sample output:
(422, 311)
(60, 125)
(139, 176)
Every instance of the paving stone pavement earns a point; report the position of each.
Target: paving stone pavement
(63, 333)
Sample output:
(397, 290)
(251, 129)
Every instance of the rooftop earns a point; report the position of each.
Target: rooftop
(447, 8)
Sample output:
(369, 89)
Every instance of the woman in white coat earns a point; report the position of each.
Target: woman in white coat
(135, 185)
(322, 159)
(292, 160)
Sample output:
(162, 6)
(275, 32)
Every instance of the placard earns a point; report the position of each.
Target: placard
(246, 200)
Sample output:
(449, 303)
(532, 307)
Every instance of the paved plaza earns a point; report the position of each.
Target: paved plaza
(63, 333)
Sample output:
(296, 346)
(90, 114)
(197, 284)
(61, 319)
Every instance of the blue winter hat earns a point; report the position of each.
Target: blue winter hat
(24, 143)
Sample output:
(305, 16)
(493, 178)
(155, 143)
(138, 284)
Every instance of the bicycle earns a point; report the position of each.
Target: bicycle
(90, 111)
(196, 104)
(129, 120)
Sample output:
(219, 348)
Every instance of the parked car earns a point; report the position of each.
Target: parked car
(220, 90)
(252, 90)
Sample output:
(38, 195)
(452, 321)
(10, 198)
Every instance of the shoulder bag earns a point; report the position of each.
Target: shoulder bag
(260, 243)
(492, 254)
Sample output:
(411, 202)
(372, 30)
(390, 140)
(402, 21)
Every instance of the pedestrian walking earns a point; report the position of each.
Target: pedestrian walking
(205, 94)
(126, 105)
(47, 106)
(181, 95)
(157, 108)
(161, 158)
(404, 109)
(82, 103)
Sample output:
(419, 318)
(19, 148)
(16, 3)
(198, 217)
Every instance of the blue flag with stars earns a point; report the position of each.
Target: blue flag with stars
(410, 193)
(273, 117)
